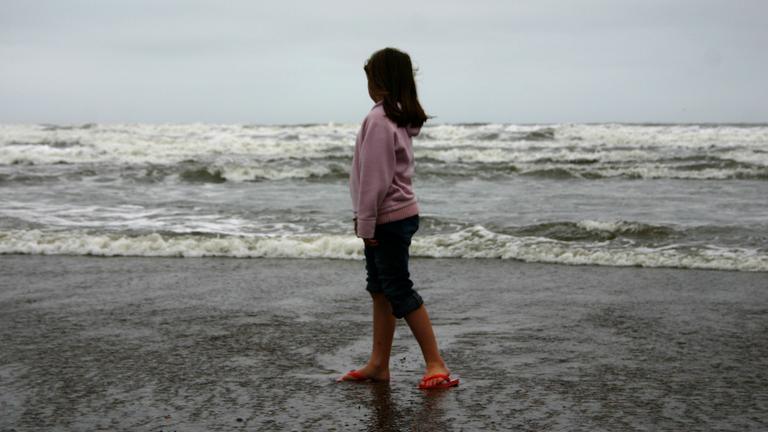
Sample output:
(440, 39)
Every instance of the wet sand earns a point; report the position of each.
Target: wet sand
(255, 344)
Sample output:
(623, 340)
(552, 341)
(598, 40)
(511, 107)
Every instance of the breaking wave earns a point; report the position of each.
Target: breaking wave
(323, 151)
(471, 242)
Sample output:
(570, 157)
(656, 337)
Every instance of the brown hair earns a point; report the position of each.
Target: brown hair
(390, 76)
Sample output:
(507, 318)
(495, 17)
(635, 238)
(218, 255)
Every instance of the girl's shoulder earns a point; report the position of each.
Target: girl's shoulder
(378, 116)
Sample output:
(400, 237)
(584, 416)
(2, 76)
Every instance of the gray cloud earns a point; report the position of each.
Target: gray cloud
(506, 61)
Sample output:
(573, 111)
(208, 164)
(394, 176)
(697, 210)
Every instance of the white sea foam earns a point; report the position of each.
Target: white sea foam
(238, 173)
(473, 242)
(594, 225)
(274, 246)
(235, 145)
(132, 217)
(241, 173)
(168, 144)
(609, 226)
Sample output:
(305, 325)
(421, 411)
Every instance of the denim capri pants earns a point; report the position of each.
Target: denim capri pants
(387, 265)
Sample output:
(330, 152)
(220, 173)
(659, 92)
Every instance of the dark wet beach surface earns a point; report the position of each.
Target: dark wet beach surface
(255, 344)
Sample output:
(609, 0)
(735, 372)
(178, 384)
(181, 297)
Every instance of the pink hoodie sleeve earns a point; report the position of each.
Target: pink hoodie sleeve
(377, 169)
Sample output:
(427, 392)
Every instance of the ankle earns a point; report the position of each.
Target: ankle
(378, 365)
(436, 364)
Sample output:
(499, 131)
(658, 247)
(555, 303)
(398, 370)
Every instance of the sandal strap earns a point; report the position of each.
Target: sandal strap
(356, 375)
(445, 377)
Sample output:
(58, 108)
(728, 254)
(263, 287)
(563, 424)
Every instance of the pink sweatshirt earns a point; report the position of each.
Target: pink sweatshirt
(382, 168)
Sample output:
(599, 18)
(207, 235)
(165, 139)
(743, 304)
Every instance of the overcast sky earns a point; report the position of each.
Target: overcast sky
(252, 61)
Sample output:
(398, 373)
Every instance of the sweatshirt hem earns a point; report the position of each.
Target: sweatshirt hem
(398, 214)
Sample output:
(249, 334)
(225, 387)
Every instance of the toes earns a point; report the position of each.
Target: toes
(432, 382)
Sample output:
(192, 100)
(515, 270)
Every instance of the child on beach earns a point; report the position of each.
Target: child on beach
(387, 216)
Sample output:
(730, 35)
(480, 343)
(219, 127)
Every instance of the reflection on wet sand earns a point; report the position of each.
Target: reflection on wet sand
(407, 409)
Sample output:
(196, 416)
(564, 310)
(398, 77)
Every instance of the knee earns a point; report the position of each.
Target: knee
(403, 305)
(397, 286)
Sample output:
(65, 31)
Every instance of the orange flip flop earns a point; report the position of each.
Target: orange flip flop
(356, 376)
(446, 382)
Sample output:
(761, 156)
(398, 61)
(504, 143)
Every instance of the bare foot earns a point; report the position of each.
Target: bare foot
(433, 369)
(366, 373)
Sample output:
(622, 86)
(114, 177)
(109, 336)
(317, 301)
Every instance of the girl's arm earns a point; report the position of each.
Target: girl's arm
(377, 169)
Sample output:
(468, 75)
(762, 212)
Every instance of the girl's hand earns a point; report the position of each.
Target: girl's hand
(367, 241)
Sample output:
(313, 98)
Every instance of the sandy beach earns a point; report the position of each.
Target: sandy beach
(255, 344)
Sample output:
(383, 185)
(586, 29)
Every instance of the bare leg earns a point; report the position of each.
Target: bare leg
(421, 326)
(383, 332)
(384, 324)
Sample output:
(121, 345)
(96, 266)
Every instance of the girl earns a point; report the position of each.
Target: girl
(387, 215)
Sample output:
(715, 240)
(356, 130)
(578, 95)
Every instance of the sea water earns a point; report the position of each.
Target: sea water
(656, 195)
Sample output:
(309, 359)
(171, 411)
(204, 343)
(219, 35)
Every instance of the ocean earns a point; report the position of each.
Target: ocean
(648, 195)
